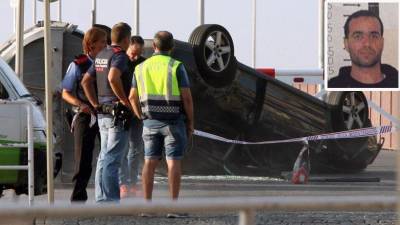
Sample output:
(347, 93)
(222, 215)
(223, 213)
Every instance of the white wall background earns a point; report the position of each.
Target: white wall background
(287, 30)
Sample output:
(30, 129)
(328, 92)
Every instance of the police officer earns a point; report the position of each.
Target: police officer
(129, 171)
(110, 73)
(160, 94)
(84, 132)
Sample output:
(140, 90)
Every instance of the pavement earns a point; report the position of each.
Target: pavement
(378, 179)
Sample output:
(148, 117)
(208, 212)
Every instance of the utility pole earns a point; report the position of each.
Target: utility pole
(94, 12)
(254, 33)
(136, 9)
(49, 100)
(201, 11)
(19, 36)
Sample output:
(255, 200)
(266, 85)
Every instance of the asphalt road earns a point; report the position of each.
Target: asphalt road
(378, 179)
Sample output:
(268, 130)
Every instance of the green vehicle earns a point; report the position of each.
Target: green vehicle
(13, 130)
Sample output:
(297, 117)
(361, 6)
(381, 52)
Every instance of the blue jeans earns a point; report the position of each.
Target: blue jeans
(114, 141)
(172, 138)
(129, 171)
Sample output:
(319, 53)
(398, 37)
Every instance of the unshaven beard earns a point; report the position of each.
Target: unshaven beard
(356, 61)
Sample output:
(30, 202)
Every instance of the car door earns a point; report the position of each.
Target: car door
(10, 115)
(10, 131)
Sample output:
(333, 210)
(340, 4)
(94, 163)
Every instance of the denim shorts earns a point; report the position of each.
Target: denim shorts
(171, 138)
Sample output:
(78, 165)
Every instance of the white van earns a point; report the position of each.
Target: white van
(13, 129)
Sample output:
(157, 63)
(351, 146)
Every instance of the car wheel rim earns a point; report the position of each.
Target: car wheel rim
(218, 51)
(354, 111)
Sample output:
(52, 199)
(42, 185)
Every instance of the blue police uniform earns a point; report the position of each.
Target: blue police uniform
(84, 134)
(114, 137)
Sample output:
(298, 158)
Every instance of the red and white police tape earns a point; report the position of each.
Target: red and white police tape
(301, 167)
(356, 133)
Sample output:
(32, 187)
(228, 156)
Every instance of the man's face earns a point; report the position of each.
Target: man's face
(364, 42)
(134, 50)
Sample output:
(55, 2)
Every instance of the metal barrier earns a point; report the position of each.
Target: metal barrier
(246, 206)
(29, 145)
(293, 76)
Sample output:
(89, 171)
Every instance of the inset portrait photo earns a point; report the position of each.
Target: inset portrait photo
(361, 45)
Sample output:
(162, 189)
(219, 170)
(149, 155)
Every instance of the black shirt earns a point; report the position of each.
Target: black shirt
(132, 65)
(344, 79)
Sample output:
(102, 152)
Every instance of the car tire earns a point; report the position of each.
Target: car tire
(350, 110)
(213, 51)
(354, 155)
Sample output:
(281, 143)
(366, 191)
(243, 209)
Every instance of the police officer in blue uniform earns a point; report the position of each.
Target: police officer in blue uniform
(84, 132)
(110, 73)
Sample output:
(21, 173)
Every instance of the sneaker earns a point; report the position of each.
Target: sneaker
(123, 191)
(177, 215)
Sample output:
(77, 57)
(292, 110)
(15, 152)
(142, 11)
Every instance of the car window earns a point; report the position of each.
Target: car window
(3, 92)
(11, 81)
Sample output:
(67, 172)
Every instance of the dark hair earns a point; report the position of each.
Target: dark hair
(120, 31)
(137, 40)
(106, 29)
(92, 36)
(164, 40)
(357, 14)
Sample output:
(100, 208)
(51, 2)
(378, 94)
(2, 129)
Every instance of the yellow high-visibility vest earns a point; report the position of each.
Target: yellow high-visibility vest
(158, 88)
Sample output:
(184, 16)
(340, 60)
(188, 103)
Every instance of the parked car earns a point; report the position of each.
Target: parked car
(13, 129)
